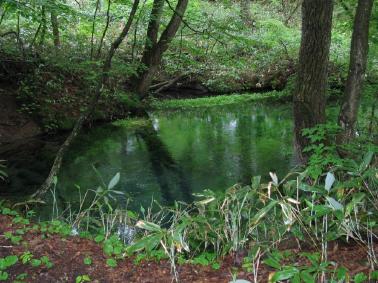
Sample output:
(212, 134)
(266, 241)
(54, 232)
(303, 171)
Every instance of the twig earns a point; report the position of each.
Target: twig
(170, 83)
(186, 24)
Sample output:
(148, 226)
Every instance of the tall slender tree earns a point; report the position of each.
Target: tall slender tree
(43, 27)
(154, 47)
(97, 6)
(310, 94)
(357, 66)
(55, 29)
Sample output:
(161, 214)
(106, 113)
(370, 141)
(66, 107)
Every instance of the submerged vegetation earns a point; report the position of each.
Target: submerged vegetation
(69, 65)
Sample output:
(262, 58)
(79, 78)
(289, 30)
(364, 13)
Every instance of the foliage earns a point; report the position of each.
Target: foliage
(213, 46)
(333, 205)
(82, 279)
(331, 199)
(218, 100)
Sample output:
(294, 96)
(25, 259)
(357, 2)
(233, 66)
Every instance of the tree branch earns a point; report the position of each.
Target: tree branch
(91, 107)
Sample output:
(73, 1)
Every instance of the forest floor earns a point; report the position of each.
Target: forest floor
(67, 255)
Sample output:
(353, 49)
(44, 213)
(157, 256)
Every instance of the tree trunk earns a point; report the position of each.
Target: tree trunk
(105, 29)
(310, 94)
(91, 106)
(94, 27)
(2, 16)
(149, 57)
(153, 54)
(357, 67)
(55, 29)
(44, 27)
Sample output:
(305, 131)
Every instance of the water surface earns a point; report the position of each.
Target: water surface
(178, 153)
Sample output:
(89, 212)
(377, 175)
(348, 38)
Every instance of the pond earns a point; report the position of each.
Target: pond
(178, 153)
(171, 156)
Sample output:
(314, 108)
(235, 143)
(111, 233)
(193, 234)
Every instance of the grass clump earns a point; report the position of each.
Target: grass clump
(217, 100)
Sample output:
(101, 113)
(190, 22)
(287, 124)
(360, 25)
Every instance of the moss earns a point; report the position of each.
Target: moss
(131, 123)
(218, 100)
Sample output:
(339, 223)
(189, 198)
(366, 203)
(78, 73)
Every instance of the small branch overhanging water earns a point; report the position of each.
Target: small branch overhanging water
(90, 109)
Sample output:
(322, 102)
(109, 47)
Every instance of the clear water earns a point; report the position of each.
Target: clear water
(178, 153)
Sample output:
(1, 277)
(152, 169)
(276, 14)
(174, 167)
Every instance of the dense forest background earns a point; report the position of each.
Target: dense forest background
(70, 65)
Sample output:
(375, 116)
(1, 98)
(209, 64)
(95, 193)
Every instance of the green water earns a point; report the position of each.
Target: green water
(179, 153)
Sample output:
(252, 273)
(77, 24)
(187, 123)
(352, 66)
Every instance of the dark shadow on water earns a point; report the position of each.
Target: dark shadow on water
(163, 165)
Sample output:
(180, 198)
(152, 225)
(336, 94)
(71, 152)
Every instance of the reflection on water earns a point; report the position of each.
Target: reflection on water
(170, 157)
(181, 152)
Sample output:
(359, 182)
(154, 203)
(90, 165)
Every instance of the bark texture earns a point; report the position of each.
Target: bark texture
(55, 29)
(357, 66)
(154, 48)
(43, 27)
(310, 94)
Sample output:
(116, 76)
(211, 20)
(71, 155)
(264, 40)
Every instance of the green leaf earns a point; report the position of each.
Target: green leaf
(22, 276)
(285, 274)
(148, 243)
(2, 264)
(114, 181)
(262, 212)
(307, 277)
(215, 266)
(307, 188)
(360, 278)
(296, 278)
(11, 260)
(374, 275)
(36, 262)
(256, 182)
(321, 210)
(111, 262)
(131, 214)
(149, 226)
(108, 249)
(117, 250)
(342, 274)
(87, 260)
(357, 198)
(82, 278)
(365, 163)
(99, 238)
(3, 275)
(272, 262)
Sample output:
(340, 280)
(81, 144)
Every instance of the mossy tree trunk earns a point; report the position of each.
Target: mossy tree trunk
(310, 94)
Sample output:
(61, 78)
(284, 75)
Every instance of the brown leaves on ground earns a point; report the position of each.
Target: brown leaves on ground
(67, 255)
